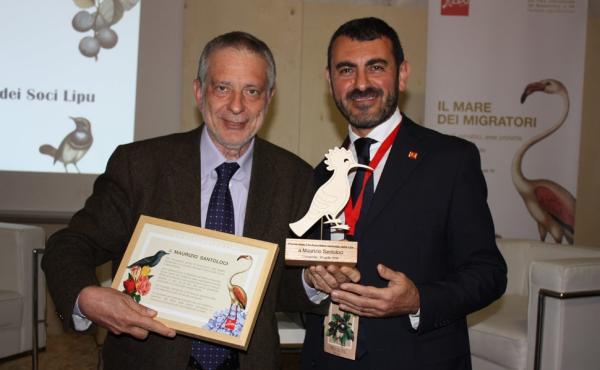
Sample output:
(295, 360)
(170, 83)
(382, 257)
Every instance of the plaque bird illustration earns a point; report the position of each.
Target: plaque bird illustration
(74, 146)
(333, 195)
(237, 294)
(551, 205)
(150, 261)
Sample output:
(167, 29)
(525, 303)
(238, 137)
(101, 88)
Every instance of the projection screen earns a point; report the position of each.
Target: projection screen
(79, 78)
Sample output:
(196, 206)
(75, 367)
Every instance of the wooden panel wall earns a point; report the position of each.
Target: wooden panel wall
(303, 117)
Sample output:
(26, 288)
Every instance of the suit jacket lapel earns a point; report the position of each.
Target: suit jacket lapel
(398, 168)
(184, 179)
(260, 200)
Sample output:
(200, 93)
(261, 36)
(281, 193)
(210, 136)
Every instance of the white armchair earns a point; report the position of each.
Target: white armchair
(17, 243)
(503, 335)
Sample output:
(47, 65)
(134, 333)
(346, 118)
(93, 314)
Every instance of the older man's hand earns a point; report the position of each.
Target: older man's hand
(119, 313)
(328, 278)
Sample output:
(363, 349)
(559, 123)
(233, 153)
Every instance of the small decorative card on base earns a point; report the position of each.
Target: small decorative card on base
(203, 283)
(341, 331)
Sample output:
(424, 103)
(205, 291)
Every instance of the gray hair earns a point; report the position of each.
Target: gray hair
(242, 41)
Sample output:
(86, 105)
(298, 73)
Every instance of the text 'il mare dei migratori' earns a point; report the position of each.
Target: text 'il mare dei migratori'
(478, 114)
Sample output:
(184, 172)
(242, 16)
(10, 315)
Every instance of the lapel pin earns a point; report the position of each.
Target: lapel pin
(412, 155)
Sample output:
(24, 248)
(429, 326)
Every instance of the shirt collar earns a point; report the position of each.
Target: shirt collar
(381, 131)
(211, 158)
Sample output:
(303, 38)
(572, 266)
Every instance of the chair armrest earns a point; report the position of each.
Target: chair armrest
(291, 330)
(559, 327)
(565, 275)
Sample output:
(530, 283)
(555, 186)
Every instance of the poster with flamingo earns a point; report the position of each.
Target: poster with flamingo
(203, 283)
(514, 88)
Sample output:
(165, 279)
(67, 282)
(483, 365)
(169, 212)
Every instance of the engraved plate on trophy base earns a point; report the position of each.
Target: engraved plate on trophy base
(307, 252)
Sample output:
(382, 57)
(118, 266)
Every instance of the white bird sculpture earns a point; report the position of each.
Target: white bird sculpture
(333, 195)
(550, 205)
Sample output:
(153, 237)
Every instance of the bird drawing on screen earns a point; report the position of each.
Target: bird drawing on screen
(333, 195)
(74, 145)
(150, 261)
(237, 294)
(550, 205)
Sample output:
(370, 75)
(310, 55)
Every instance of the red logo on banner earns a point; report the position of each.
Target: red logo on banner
(455, 7)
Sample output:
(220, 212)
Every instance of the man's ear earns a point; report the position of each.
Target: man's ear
(328, 78)
(197, 92)
(272, 93)
(404, 72)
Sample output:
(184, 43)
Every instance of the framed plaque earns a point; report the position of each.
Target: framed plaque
(203, 283)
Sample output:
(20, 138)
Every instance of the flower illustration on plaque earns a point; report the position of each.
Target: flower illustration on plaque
(138, 283)
(231, 320)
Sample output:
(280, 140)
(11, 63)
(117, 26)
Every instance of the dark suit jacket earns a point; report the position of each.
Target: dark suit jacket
(428, 219)
(161, 178)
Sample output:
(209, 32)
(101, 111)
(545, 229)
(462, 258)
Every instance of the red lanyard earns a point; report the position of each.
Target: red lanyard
(352, 211)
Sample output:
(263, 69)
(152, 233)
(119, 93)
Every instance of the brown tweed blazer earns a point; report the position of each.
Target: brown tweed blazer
(161, 177)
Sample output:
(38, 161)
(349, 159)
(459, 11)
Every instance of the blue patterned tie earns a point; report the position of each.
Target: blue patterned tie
(220, 208)
(218, 217)
(363, 147)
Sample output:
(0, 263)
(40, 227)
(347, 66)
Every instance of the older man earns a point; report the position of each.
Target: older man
(175, 178)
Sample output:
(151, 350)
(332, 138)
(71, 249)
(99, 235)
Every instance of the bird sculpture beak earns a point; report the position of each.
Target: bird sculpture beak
(530, 89)
(356, 165)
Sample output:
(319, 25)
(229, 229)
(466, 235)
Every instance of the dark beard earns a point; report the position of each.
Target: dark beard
(389, 107)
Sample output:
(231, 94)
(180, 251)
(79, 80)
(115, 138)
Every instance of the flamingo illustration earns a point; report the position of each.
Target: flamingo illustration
(550, 205)
(333, 195)
(237, 294)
